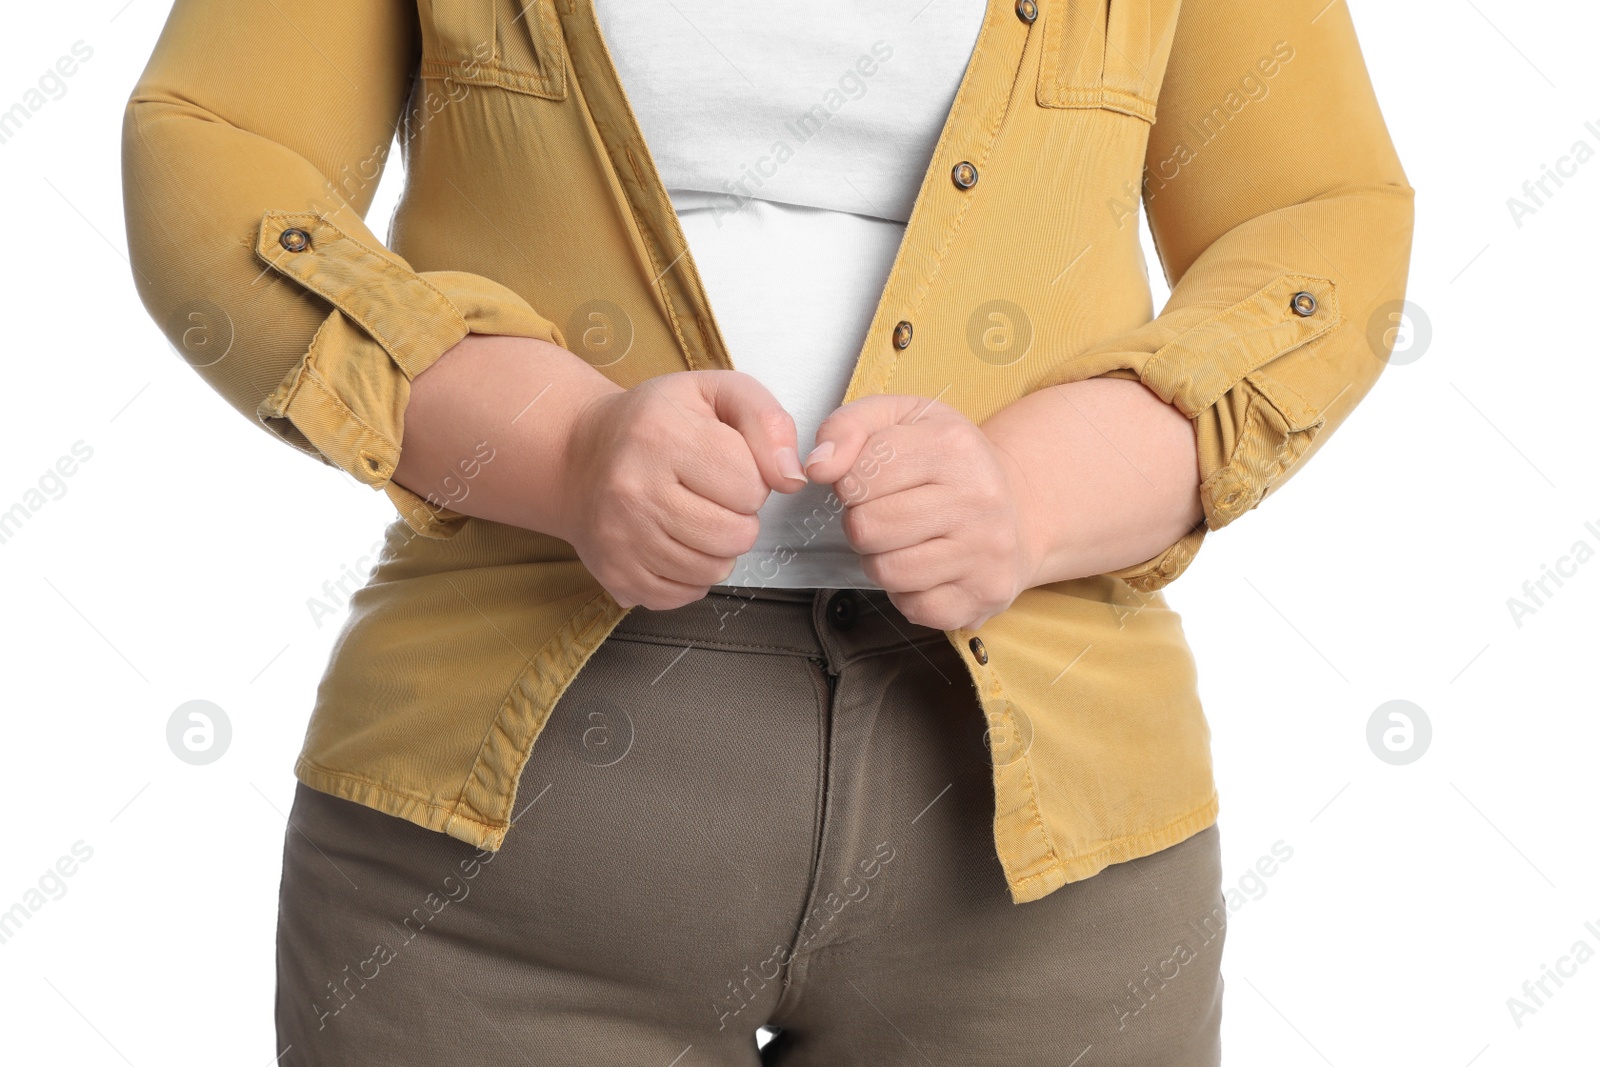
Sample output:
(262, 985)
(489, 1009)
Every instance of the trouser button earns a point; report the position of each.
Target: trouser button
(842, 609)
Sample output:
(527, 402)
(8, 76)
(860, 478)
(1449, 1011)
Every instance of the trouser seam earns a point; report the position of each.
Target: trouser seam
(821, 824)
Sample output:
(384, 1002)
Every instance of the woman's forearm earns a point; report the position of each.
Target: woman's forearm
(1106, 472)
(486, 427)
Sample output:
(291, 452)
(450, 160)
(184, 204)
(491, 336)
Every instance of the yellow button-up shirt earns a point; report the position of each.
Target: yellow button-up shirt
(1247, 129)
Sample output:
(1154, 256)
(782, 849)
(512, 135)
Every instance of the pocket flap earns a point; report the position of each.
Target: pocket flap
(495, 42)
(1105, 54)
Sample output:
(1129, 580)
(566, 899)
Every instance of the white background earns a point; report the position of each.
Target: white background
(1418, 898)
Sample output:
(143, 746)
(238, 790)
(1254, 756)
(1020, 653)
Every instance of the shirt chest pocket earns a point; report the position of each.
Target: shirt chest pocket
(495, 42)
(1105, 53)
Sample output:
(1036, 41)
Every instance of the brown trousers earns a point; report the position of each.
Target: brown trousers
(771, 809)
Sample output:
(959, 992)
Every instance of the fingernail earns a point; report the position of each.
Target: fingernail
(789, 464)
(820, 453)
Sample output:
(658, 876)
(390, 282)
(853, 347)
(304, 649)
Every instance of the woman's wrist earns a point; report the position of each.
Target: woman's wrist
(567, 491)
(1105, 475)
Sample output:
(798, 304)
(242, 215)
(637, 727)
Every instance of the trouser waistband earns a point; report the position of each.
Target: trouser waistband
(833, 625)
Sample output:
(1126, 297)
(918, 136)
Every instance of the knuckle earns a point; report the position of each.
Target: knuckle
(831, 424)
(704, 572)
(744, 532)
(776, 421)
(950, 437)
(658, 598)
(700, 381)
(926, 609)
(858, 528)
(755, 495)
(609, 575)
(632, 591)
(874, 567)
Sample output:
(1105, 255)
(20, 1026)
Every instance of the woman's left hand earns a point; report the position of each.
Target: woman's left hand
(939, 513)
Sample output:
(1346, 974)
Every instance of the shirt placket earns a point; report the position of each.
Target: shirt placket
(943, 199)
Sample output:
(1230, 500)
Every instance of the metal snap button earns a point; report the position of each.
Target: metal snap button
(1303, 304)
(295, 240)
(979, 653)
(902, 334)
(1027, 10)
(964, 174)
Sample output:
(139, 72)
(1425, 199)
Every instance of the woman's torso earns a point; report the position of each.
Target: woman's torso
(792, 145)
(524, 166)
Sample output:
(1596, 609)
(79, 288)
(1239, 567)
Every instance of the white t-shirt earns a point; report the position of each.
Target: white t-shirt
(792, 139)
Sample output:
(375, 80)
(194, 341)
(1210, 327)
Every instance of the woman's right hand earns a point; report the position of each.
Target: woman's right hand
(657, 487)
(661, 483)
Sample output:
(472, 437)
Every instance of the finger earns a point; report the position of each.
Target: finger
(749, 407)
(844, 433)
(899, 520)
(706, 526)
(905, 456)
(944, 607)
(656, 593)
(717, 465)
(666, 557)
(918, 568)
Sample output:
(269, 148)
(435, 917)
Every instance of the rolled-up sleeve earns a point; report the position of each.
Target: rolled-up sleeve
(1283, 221)
(252, 146)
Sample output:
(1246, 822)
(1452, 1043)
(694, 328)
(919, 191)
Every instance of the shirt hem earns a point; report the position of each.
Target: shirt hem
(1058, 872)
(429, 814)
(447, 819)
